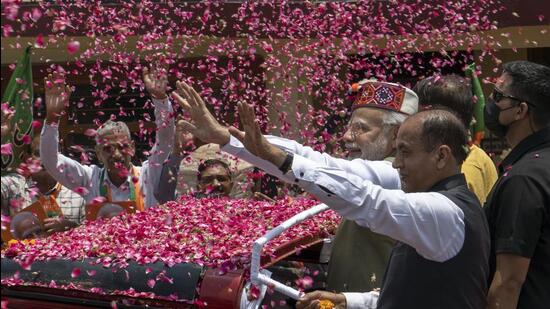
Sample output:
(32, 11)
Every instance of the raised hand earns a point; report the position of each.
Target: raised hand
(57, 94)
(202, 124)
(253, 139)
(156, 82)
(185, 142)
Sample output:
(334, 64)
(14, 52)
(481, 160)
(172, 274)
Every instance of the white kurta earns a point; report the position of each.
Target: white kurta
(73, 175)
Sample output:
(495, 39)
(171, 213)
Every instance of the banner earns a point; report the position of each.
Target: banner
(19, 95)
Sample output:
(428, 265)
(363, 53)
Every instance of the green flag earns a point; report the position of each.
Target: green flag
(19, 95)
(478, 128)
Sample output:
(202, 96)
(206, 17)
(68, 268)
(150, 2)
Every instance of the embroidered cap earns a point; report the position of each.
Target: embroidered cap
(384, 95)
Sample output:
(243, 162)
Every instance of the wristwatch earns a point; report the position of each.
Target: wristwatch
(287, 164)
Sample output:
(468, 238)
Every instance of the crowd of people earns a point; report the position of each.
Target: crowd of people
(428, 220)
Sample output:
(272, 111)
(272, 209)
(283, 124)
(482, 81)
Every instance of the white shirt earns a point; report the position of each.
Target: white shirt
(378, 172)
(368, 193)
(73, 175)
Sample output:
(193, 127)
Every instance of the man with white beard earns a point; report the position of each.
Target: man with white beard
(359, 256)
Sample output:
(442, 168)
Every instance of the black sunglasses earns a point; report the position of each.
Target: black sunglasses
(498, 96)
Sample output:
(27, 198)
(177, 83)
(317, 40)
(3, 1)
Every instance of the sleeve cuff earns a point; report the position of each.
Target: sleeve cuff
(233, 147)
(301, 166)
(281, 142)
(514, 246)
(367, 300)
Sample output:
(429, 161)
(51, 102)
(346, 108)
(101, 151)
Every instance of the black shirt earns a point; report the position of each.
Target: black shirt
(518, 213)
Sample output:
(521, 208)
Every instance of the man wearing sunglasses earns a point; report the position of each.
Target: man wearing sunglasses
(518, 208)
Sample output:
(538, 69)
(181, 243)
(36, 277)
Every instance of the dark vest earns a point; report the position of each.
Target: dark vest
(412, 281)
(359, 257)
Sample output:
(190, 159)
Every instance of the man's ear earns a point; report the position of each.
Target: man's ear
(393, 136)
(523, 111)
(132, 148)
(395, 130)
(443, 156)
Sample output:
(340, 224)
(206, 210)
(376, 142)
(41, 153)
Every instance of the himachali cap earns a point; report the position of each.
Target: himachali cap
(389, 96)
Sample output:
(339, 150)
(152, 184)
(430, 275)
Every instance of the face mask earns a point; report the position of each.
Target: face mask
(491, 113)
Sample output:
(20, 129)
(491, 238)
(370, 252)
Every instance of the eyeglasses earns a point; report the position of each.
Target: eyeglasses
(357, 129)
(498, 96)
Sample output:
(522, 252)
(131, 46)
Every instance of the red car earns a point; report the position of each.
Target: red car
(201, 286)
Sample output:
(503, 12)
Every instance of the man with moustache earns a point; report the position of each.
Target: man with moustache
(118, 180)
(441, 232)
(359, 256)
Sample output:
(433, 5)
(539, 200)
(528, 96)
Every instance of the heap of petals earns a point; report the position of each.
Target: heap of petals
(213, 232)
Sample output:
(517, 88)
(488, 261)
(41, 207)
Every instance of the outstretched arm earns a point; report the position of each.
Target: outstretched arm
(156, 83)
(68, 172)
(184, 144)
(428, 222)
(205, 127)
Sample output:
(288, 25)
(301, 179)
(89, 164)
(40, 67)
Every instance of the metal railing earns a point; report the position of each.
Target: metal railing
(258, 278)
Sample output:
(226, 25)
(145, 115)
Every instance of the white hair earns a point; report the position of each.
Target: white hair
(110, 127)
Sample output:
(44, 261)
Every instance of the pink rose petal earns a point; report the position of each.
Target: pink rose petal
(73, 47)
(39, 42)
(90, 132)
(6, 149)
(75, 273)
(81, 190)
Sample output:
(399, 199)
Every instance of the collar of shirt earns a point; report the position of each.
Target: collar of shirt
(535, 141)
(118, 193)
(448, 183)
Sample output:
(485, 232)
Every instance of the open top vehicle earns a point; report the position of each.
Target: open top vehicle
(113, 263)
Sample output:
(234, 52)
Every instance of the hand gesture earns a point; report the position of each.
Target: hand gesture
(322, 300)
(156, 82)
(253, 139)
(57, 96)
(202, 124)
(185, 142)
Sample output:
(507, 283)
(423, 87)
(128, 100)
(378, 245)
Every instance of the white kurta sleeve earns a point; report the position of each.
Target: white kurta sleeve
(67, 171)
(164, 141)
(379, 172)
(367, 300)
(429, 222)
